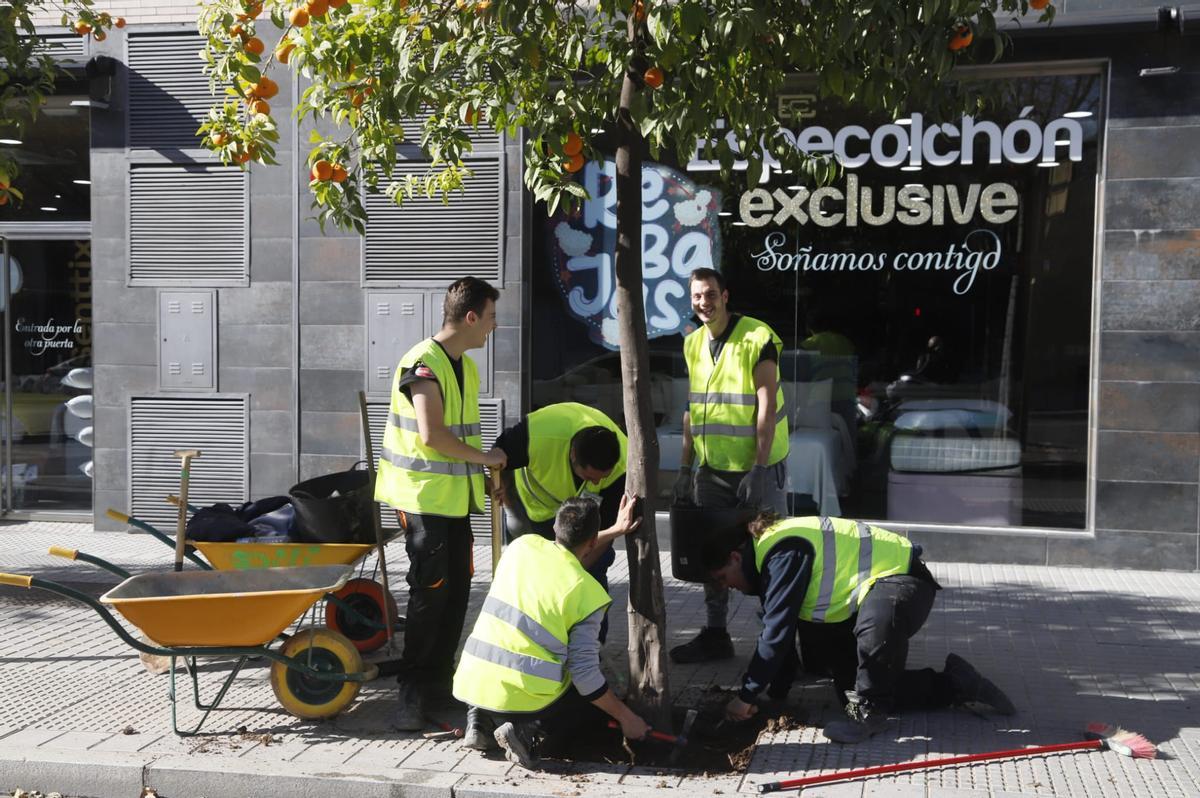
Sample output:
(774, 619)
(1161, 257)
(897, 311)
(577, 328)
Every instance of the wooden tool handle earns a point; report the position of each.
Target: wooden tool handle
(497, 524)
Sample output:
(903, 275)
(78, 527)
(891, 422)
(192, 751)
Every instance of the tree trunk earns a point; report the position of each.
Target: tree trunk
(648, 689)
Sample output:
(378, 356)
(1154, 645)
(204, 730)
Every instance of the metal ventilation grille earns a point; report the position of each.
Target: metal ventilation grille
(168, 92)
(491, 419)
(187, 223)
(159, 427)
(482, 139)
(64, 49)
(428, 240)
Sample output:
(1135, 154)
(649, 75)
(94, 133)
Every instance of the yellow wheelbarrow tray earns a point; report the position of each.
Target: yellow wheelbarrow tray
(315, 673)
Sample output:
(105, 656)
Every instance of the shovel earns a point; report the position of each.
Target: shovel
(679, 741)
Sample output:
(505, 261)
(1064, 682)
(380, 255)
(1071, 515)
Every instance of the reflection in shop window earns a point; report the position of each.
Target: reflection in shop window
(934, 302)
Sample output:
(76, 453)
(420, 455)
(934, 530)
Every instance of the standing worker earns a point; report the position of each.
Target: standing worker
(859, 592)
(431, 472)
(532, 663)
(735, 428)
(558, 452)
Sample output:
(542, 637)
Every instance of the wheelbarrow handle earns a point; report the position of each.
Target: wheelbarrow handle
(653, 734)
(154, 532)
(16, 580)
(75, 554)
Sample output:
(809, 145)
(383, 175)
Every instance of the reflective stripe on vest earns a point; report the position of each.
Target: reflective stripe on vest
(418, 478)
(548, 479)
(515, 659)
(850, 556)
(722, 401)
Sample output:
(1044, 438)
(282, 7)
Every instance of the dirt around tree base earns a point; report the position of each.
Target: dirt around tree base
(715, 746)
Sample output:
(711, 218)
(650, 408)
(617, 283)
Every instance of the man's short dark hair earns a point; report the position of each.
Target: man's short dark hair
(464, 295)
(717, 548)
(705, 273)
(577, 522)
(596, 447)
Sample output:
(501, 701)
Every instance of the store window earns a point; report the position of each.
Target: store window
(934, 302)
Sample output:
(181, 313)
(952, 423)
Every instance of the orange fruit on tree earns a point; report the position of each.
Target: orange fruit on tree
(4, 181)
(574, 163)
(99, 35)
(317, 8)
(357, 97)
(482, 6)
(243, 157)
(471, 116)
(573, 144)
(120, 22)
(283, 51)
(82, 28)
(653, 77)
(264, 88)
(337, 3)
(1038, 5)
(260, 107)
(254, 46)
(338, 174)
(236, 31)
(3, 197)
(219, 139)
(962, 37)
(321, 170)
(639, 11)
(298, 16)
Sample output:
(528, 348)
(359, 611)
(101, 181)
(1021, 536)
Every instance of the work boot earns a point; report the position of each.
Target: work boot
(480, 728)
(863, 720)
(517, 740)
(711, 644)
(409, 717)
(972, 687)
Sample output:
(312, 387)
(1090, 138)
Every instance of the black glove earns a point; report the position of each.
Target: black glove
(753, 488)
(682, 492)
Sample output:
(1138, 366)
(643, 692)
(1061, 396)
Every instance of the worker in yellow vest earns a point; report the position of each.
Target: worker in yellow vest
(531, 667)
(853, 594)
(431, 472)
(560, 451)
(735, 431)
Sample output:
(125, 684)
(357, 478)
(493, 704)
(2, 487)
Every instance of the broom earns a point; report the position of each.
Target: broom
(1103, 736)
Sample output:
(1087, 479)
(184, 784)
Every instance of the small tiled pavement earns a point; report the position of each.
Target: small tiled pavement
(80, 715)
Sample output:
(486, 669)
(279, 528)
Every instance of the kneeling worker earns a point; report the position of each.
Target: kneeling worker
(532, 662)
(862, 592)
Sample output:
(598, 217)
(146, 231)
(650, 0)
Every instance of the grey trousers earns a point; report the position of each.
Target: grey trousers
(719, 491)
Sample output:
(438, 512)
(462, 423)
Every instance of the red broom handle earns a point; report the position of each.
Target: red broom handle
(652, 734)
(846, 775)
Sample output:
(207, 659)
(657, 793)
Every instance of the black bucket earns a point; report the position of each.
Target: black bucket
(322, 517)
(691, 529)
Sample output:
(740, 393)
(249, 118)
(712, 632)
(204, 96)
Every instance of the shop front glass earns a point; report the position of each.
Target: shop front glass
(46, 417)
(934, 302)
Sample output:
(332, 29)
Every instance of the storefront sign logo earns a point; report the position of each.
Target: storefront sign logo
(680, 232)
(979, 251)
(50, 335)
(1022, 140)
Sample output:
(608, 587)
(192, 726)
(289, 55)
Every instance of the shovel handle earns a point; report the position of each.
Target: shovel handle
(653, 734)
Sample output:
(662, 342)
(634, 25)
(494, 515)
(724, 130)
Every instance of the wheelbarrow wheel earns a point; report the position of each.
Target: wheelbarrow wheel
(323, 650)
(358, 613)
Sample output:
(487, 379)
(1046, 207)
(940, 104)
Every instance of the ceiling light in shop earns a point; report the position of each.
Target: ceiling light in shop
(724, 213)
(49, 209)
(796, 187)
(13, 142)
(739, 224)
(907, 120)
(82, 181)
(1048, 163)
(1077, 114)
(910, 168)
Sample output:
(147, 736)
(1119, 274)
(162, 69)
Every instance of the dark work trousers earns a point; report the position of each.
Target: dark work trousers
(569, 713)
(893, 611)
(439, 586)
(517, 522)
(717, 490)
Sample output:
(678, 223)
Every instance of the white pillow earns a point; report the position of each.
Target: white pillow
(812, 404)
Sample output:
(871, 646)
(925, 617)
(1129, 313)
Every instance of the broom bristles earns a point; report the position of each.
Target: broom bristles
(1123, 741)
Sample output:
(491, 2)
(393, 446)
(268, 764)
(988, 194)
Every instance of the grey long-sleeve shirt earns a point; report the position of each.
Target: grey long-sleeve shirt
(583, 657)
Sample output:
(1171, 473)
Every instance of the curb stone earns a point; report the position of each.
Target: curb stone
(74, 773)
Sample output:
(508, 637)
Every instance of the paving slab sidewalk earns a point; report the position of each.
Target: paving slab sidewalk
(80, 716)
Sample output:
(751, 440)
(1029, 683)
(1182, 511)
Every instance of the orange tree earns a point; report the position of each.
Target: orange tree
(28, 70)
(657, 73)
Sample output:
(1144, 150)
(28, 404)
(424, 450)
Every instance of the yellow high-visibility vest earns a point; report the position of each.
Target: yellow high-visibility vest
(722, 404)
(548, 480)
(414, 477)
(516, 657)
(849, 557)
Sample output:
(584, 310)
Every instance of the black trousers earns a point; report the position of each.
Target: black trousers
(868, 653)
(439, 586)
(559, 721)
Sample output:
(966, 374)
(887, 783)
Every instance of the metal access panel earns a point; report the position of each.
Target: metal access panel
(187, 340)
(482, 357)
(395, 322)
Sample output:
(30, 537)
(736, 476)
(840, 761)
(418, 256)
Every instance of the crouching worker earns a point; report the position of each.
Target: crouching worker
(531, 666)
(860, 593)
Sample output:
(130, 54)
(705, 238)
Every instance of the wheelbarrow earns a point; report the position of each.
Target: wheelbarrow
(356, 610)
(315, 673)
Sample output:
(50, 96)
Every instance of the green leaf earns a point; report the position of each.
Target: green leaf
(691, 20)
